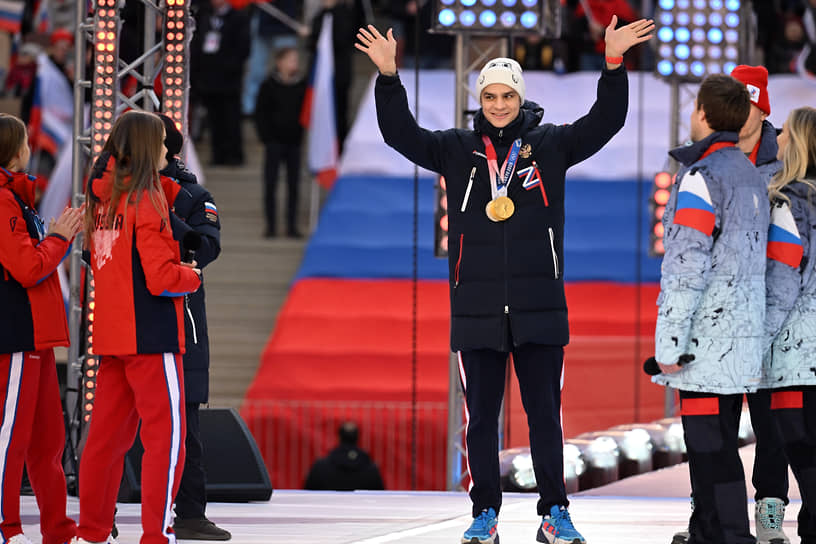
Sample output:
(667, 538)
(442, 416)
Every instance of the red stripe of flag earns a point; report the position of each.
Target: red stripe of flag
(785, 253)
(695, 218)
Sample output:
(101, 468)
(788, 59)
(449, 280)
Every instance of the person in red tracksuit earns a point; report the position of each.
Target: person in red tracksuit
(33, 322)
(138, 332)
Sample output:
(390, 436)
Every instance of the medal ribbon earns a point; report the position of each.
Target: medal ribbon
(500, 178)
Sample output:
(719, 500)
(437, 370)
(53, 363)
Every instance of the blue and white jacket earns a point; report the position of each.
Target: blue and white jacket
(790, 323)
(711, 302)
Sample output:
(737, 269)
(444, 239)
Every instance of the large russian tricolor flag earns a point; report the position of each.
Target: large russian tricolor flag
(694, 208)
(318, 110)
(50, 123)
(11, 15)
(784, 243)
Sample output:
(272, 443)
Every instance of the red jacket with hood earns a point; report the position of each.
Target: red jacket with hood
(33, 316)
(139, 282)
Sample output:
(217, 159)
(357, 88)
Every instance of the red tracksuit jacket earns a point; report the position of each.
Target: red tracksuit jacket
(33, 316)
(139, 282)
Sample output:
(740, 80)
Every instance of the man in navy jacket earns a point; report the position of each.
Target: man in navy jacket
(506, 228)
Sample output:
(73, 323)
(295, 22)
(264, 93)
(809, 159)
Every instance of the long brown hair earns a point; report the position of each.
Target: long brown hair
(799, 155)
(12, 138)
(135, 143)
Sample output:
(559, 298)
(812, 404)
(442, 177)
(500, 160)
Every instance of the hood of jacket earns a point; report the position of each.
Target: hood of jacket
(689, 154)
(768, 148)
(19, 183)
(529, 117)
(176, 169)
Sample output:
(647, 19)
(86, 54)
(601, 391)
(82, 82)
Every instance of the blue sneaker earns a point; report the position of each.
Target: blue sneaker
(556, 528)
(483, 529)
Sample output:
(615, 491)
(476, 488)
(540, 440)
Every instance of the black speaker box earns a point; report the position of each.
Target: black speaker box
(233, 464)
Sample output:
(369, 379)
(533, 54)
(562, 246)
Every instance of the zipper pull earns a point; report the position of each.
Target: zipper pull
(506, 309)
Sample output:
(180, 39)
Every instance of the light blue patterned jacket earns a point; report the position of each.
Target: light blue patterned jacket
(711, 302)
(791, 291)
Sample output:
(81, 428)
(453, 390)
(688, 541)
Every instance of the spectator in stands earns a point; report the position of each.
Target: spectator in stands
(506, 260)
(587, 21)
(782, 53)
(347, 16)
(62, 43)
(434, 50)
(346, 468)
(268, 35)
(791, 291)
(277, 120)
(711, 304)
(194, 206)
(21, 78)
(219, 48)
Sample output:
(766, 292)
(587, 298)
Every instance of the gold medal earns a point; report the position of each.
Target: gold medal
(500, 208)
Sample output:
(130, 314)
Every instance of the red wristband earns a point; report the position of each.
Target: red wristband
(614, 60)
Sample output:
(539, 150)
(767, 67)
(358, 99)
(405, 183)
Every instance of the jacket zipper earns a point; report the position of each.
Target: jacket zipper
(458, 261)
(192, 321)
(467, 191)
(506, 286)
(554, 254)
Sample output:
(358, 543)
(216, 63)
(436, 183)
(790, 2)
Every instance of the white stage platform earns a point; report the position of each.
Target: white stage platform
(645, 509)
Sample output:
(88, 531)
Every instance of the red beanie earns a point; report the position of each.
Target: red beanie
(61, 34)
(755, 79)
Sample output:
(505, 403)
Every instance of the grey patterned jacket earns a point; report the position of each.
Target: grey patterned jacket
(791, 291)
(711, 302)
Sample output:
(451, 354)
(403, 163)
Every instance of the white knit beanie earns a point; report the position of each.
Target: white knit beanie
(501, 70)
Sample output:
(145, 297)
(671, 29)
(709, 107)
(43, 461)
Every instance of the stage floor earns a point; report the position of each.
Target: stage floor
(644, 509)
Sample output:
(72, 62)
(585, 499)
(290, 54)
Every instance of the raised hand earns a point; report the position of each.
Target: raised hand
(619, 40)
(382, 50)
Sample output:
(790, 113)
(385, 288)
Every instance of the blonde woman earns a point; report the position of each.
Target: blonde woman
(789, 367)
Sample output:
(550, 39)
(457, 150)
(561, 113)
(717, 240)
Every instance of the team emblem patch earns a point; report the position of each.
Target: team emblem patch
(754, 92)
(526, 151)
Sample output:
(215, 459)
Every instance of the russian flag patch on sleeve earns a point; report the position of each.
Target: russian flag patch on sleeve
(694, 208)
(210, 211)
(784, 243)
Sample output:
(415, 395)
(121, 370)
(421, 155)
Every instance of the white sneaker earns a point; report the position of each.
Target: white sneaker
(78, 540)
(769, 515)
(19, 539)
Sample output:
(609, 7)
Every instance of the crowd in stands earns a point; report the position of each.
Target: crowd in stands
(234, 49)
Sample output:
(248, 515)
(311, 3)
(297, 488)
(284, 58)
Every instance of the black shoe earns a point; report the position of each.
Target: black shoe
(199, 529)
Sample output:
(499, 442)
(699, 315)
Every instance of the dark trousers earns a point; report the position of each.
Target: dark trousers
(191, 499)
(538, 369)
(224, 116)
(794, 410)
(289, 154)
(710, 426)
(770, 476)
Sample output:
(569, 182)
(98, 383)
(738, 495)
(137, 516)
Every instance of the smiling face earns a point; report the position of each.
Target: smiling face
(500, 104)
